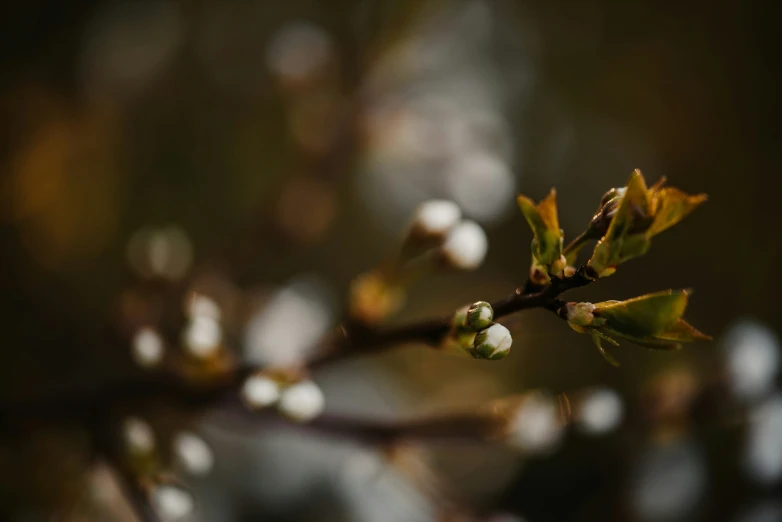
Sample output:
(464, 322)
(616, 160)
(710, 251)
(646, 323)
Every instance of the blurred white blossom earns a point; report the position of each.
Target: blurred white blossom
(537, 426)
(483, 184)
(193, 453)
(465, 246)
(202, 336)
(172, 502)
(138, 435)
(601, 410)
(295, 318)
(147, 347)
(302, 401)
(763, 451)
(200, 305)
(435, 217)
(260, 391)
(752, 358)
(376, 492)
(669, 482)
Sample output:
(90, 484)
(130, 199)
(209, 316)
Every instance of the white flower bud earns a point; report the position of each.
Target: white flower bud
(193, 453)
(171, 502)
(436, 217)
(202, 336)
(138, 435)
(260, 391)
(147, 347)
(600, 411)
(302, 401)
(479, 316)
(465, 246)
(492, 343)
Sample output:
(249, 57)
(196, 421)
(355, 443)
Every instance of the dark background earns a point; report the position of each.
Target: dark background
(116, 117)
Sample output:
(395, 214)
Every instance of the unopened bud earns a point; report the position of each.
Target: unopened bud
(434, 218)
(580, 314)
(492, 343)
(465, 246)
(479, 316)
(260, 391)
(302, 401)
(608, 207)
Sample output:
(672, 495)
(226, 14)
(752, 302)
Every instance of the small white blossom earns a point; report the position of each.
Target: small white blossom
(600, 412)
(202, 336)
(436, 217)
(172, 502)
(193, 453)
(492, 343)
(260, 391)
(302, 401)
(763, 450)
(147, 347)
(465, 246)
(138, 434)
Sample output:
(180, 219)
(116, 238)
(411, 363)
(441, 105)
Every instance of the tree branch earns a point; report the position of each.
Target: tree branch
(363, 340)
(359, 341)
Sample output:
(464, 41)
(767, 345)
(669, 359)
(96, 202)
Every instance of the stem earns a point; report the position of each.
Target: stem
(575, 246)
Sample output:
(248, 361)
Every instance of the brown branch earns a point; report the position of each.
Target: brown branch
(166, 386)
(432, 331)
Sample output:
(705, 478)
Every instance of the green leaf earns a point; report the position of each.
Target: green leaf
(642, 213)
(544, 222)
(644, 316)
(671, 205)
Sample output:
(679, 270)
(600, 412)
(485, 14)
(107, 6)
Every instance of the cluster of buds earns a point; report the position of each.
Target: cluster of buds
(630, 216)
(438, 237)
(300, 400)
(623, 225)
(475, 332)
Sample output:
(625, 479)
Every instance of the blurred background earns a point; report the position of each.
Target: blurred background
(265, 153)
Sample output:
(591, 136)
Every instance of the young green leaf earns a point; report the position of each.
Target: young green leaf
(544, 222)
